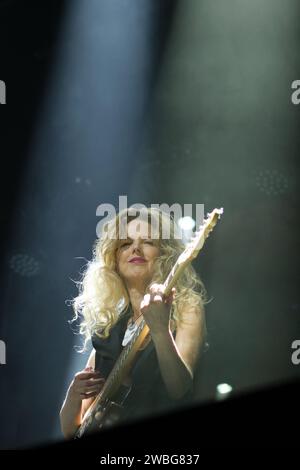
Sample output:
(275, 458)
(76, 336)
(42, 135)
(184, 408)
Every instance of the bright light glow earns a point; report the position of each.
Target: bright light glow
(224, 389)
(186, 223)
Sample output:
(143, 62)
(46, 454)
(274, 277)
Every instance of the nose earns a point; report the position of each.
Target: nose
(136, 246)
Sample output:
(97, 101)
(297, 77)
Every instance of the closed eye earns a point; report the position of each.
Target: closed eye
(125, 244)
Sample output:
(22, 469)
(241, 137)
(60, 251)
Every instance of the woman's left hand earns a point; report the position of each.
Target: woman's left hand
(155, 308)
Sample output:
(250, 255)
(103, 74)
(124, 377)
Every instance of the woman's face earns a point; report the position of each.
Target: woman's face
(135, 255)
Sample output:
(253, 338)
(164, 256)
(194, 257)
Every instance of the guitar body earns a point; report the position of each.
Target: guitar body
(107, 413)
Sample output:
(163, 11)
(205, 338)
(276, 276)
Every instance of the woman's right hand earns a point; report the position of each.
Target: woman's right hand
(86, 384)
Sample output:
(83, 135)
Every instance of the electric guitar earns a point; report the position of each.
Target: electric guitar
(107, 406)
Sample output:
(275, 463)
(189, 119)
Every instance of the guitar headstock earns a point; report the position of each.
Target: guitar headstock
(194, 246)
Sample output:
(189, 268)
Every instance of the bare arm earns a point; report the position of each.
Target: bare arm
(177, 358)
(81, 393)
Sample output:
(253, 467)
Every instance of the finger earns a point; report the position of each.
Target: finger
(84, 396)
(95, 388)
(90, 375)
(157, 288)
(172, 292)
(169, 300)
(145, 302)
(87, 375)
(154, 286)
(92, 382)
(89, 370)
(157, 298)
(87, 388)
(170, 297)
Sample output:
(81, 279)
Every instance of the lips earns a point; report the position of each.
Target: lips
(137, 260)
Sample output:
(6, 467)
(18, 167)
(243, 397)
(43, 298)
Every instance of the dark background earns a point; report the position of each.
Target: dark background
(172, 101)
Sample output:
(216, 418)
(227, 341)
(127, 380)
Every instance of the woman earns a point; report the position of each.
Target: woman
(123, 284)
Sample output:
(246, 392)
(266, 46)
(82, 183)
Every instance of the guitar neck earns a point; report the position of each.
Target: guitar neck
(173, 276)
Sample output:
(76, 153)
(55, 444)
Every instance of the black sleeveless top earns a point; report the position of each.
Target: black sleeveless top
(148, 393)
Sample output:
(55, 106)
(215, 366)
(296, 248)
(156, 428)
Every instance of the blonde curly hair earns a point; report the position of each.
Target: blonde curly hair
(102, 293)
